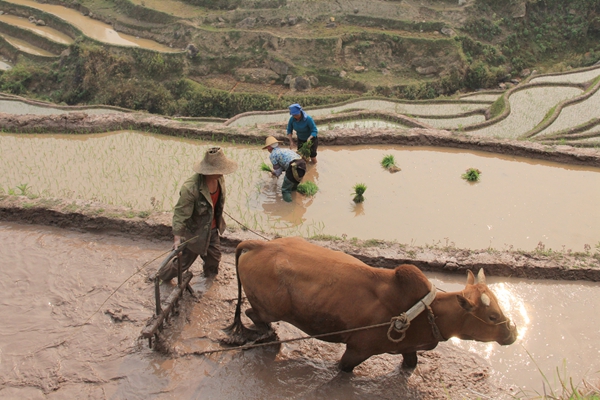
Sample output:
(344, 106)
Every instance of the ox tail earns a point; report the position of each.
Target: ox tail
(238, 333)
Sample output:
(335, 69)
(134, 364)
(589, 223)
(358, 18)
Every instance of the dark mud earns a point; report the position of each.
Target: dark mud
(69, 334)
(87, 216)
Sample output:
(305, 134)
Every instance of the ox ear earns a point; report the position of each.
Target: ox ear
(465, 303)
(470, 277)
(481, 277)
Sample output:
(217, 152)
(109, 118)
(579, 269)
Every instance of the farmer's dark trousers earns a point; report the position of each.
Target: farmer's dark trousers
(291, 181)
(187, 258)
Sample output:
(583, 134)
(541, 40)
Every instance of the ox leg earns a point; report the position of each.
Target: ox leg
(260, 325)
(351, 359)
(410, 360)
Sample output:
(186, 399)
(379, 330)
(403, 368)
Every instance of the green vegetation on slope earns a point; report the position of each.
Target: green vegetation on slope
(381, 55)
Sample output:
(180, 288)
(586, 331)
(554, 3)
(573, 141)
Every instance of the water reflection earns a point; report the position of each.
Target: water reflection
(290, 214)
(358, 209)
(557, 324)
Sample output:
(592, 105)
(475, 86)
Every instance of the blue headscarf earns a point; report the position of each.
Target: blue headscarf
(296, 109)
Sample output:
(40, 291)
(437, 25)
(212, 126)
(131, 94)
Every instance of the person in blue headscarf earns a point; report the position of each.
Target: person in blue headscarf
(305, 129)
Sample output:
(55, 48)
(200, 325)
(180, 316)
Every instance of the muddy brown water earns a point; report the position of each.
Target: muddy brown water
(518, 203)
(93, 28)
(45, 31)
(26, 47)
(53, 346)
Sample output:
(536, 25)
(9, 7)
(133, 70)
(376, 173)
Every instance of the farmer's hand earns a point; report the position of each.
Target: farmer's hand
(176, 242)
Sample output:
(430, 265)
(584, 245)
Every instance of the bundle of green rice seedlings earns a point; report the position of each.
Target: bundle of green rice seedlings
(471, 175)
(389, 163)
(359, 190)
(304, 150)
(307, 188)
(265, 167)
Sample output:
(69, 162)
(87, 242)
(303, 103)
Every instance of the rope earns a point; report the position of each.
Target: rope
(253, 345)
(436, 331)
(399, 324)
(245, 227)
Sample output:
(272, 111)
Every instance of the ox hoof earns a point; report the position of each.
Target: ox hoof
(347, 370)
(267, 337)
(410, 360)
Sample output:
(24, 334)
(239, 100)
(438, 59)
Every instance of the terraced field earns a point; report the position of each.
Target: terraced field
(553, 108)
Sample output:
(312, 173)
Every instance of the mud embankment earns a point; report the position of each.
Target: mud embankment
(88, 216)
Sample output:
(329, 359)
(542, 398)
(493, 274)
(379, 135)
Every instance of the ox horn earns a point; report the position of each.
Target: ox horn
(481, 277)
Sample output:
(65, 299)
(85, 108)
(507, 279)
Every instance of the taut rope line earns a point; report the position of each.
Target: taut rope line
(245, 227)
(399, 324)
(253, 345)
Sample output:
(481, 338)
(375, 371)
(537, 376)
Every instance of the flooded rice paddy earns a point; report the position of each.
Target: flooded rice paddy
(569, 77)
(449, 109)
(178, 8)
(528, 108)
(94, 28)
(452, 123)
(45, 31)
(21, 107)
(60, 339)
(26, 46)
(575, 114)
(518, 203)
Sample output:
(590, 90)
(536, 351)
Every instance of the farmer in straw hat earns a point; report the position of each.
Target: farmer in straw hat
(288, 161)
(199, 212)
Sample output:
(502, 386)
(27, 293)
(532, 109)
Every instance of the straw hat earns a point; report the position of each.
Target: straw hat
(270, 142)
(215, 163)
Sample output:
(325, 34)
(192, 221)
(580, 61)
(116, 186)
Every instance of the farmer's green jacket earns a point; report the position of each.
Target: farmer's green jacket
(193, 213)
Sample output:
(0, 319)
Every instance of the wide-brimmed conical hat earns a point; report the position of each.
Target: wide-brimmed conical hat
(215, 163)
(270, 142)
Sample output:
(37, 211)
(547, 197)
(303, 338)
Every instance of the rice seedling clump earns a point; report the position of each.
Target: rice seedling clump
(265, 167)
(307, 188)
(359, 190)
(471, 175)
(389, 163)
(304, 150)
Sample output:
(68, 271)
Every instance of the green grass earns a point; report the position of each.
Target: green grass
(471, 175)
(308, 188)
(562, 386)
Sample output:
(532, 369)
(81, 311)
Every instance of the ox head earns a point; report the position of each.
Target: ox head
(485, 321)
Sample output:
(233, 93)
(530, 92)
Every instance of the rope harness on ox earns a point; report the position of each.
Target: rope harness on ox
(399, 324)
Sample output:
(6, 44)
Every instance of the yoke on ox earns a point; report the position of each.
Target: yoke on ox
(321, 291)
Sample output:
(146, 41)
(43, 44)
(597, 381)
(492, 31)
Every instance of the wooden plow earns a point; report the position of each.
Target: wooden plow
(155, 324)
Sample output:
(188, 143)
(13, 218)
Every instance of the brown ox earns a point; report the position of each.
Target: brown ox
(321, 291)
